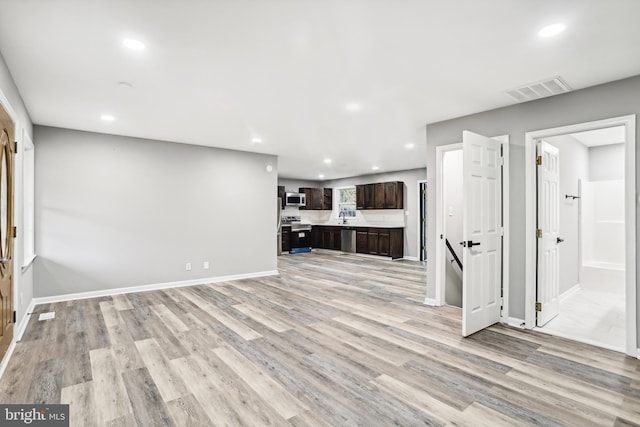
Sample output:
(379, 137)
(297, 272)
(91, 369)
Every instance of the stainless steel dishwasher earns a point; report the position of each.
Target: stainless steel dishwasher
(348, 240)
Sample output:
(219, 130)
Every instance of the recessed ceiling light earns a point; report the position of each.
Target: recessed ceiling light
(320, 176)
(256, 141)
(107, 117)
(552, 30)
(374, 168)
(133, 44)
(353, 107)
(409, 145)
(327, 161)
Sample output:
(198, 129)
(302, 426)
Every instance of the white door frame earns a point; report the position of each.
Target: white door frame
(419, 201)
(440, 258)
(629, 122)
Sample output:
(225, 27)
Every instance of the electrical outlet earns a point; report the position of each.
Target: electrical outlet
(188, 266)
(206, 265)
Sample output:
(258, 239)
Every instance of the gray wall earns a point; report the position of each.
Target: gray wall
(116, 212)
(293, 185)
(23, 279)
(411, 204)
(606, 162)
(574, 166)
(599, 102)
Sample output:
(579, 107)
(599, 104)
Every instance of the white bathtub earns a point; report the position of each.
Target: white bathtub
(602, 276)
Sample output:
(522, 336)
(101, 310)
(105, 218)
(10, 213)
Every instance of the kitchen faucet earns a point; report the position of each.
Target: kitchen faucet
(343, 214)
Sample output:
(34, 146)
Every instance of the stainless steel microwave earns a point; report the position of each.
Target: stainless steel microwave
(295, 199)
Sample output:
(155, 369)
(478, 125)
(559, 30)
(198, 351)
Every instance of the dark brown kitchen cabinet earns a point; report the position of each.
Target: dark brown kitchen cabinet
(382, 195)
(380, 241)
(394, 195)
(384, 248)
(396, 242)
(317, 198)
(372, 241)
(362, 242)
(316, 236)
(327, 201)
(286, 238)
(360, 197)
(368, 196)
(378, 196)
(281, 194)
(331, 238)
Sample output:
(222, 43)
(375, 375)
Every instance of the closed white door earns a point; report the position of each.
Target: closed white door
(548, 233)
(482, 232)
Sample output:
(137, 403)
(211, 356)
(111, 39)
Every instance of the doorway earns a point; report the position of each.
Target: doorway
(488, 305)
(576, 273)
(7, 146)
(422, 221)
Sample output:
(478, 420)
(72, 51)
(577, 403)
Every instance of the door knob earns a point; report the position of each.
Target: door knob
(559, 240)
(469, 243)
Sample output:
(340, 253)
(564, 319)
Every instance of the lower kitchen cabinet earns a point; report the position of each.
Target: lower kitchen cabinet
(362, 241)
(286, 238)
(327, 237)
(380, 241)
(387, 242)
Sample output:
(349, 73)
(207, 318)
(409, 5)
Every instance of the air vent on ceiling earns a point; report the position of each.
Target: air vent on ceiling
(541, 89)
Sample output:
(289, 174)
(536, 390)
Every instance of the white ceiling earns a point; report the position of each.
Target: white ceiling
(222, 72)
(598, 137)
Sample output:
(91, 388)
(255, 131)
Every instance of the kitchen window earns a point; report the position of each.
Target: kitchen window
(347, 202)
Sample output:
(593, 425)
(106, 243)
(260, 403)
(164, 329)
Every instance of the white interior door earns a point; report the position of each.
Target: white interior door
(482, 232)
(548, 286)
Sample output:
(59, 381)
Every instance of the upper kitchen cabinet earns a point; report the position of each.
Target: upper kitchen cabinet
(318, 198)
(382, 195)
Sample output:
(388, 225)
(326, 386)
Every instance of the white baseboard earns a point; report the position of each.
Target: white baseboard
(431, 302)
(515, 322)
(410, 258)
(18, 332)
(572, 290)
(151, 287)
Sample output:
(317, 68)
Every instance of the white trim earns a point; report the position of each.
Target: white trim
(440, 246)
(411, 258)
(431, 302)
(572, 290)
(515, 322)
(17, 336)
(418, 204)
(151, 287)
(440, 262)
(506, 203)
(629, 122)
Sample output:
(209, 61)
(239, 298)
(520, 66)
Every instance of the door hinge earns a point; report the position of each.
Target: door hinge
(539, 160)
(502, 231)
(15, 231)
(14, 316)
(501, 161)
(538, 306)
(539, 233)
(15, 147)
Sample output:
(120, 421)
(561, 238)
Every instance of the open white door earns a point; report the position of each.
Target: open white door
(482, 232)
(548, 286)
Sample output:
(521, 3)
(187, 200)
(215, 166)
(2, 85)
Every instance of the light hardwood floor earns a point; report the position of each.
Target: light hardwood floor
(334, 340)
